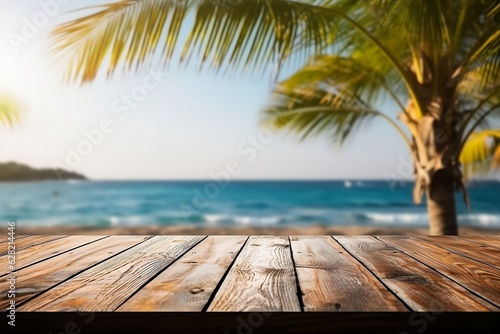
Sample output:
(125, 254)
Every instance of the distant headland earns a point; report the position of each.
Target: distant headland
(16, 172)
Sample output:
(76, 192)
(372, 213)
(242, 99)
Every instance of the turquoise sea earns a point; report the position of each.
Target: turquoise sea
(235, 203)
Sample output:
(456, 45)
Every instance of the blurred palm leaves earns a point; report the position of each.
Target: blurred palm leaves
(333, 95)
(357, 52)
(481, 153)
(130, 32)
(9, 111)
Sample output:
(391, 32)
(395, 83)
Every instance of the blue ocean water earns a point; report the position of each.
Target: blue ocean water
(237, 203)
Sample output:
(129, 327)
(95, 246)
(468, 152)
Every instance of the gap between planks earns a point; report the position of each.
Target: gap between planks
(189, 283)
(479, 278)
(261, 279)
(42, 276)
(40, 252)
(105, 286)
(420, 287)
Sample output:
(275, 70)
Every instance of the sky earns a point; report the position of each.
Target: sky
(162, 123)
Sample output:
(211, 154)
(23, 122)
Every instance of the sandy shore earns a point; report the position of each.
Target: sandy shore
(190, 230)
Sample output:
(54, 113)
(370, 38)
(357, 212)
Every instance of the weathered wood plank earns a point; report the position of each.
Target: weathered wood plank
(332, 280)
(108, 284)
(480, 252)
(188, 283)
(31, 241)
(490, 240)
(261, 279)
(4, 238)
(480, 278)
(484, 236)
(28, 256)
(419, 286)
(42, 276)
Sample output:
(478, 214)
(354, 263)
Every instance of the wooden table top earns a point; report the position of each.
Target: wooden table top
(253, 273)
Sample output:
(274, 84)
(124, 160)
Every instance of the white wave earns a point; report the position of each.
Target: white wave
(270, 220)
(381, 217)
(113, 220)
(214, 219)
(245, 221)
(404, 218)
(217, 219)
(170, 213)
(260, 221)
(484, 219)
(131, 221)
(410, 218)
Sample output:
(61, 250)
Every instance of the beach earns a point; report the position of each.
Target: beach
(192, 230)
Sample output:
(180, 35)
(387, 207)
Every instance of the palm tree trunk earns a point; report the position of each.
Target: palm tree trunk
(441, 204)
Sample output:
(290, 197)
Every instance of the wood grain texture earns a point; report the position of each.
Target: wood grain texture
(419, 286)
(28, 256)
(479, 252)
(261, 279)
(4, 238)
(41, 276)
(108, 284)
(30, 242)
(166, 273)
(490, 240)
(480, 278)
(332, 280)
(188, 283)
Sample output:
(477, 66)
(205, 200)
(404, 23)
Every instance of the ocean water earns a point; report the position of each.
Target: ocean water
(237, 203)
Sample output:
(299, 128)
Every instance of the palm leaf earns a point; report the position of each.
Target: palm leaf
(9, 111)
(132, 32)
(496, 156)
(425, 24)
(349, 75)
(328, 96)
(481, 44)
(481, 152)
(486, 60)
(323, 113)
(494, 9)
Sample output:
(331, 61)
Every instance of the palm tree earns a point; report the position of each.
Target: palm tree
(439, 61)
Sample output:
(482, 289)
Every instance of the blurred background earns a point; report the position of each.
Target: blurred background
(178, 146)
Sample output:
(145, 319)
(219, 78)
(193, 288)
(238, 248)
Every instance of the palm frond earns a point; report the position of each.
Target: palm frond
(348, 75)
(483, 107)
(481, 44)
(321, 100)
(481, 152)
(486, 60)
(131, 32)
(496, 156)
(474, 87)
(425, 24)
(9, 111)
(494, 9)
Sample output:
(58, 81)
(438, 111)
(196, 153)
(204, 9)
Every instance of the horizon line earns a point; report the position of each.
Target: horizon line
(356, 179)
